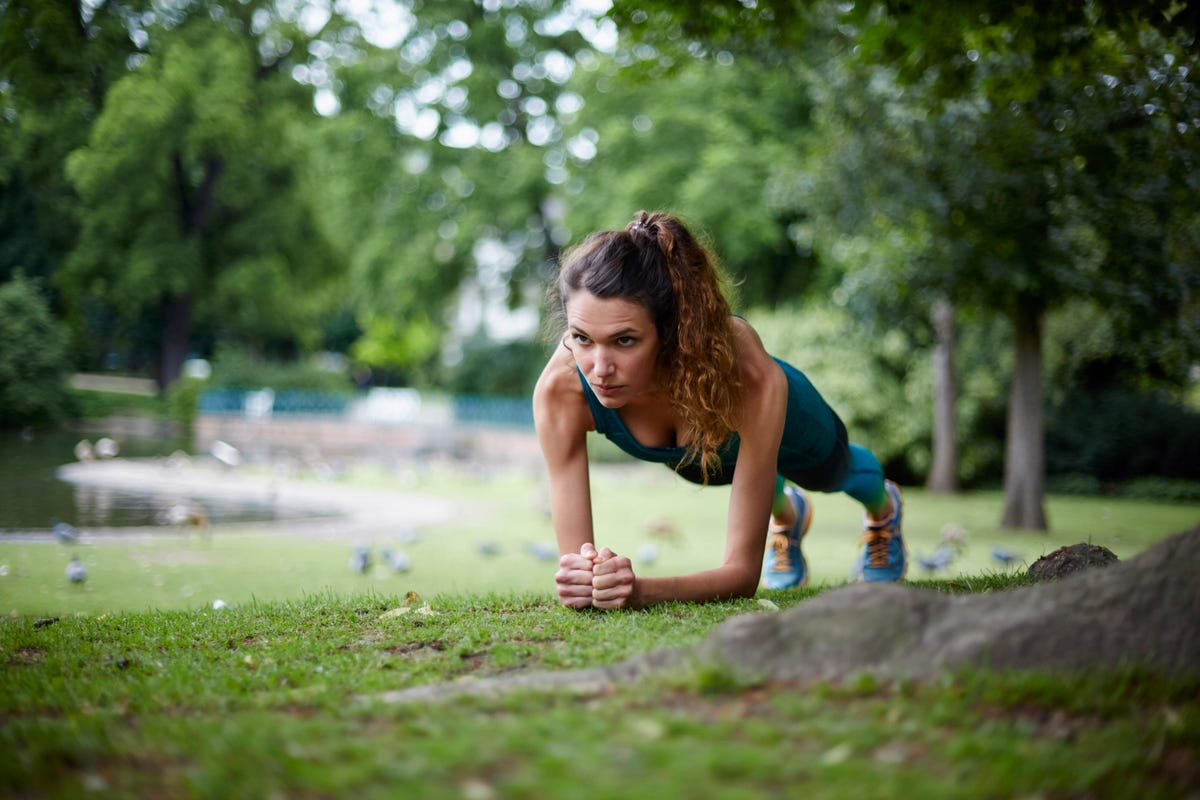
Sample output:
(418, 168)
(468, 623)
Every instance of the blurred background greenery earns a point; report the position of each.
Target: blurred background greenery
(977, 229)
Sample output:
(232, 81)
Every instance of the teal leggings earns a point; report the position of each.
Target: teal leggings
(863, 480)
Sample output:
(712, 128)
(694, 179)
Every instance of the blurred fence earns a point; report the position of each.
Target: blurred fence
(504, 411)
(267, 402)
(376, 405)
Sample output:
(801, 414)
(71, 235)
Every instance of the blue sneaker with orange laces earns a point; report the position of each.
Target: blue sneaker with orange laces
(884, 558)
(784, 566)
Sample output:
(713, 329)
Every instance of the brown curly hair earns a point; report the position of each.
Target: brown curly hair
(657, 262)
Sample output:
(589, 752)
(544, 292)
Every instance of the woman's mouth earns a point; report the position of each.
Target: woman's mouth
(606, 391)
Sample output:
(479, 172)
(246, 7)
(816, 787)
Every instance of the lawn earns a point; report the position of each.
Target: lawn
(489, 545)
(133, 685)
(282, 699)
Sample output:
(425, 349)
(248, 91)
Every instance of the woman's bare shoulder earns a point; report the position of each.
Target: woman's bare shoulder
(559, 394)
(559, 378)
(753, 359)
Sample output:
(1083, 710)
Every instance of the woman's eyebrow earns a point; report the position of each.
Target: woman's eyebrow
(613, 335)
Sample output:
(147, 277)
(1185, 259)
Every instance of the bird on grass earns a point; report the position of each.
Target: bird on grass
(1005, 557)
(543, 551)
(397, 561)
(76, 572)
(938, 560)
(65, 532)
(360, 562)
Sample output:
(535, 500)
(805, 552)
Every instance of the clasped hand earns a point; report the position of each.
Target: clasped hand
(601, 579)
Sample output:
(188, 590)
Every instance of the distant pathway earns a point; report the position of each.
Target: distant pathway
(347, 509)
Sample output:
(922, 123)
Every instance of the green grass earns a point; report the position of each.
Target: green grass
(281, 699)
(139, 688)
(181, 570)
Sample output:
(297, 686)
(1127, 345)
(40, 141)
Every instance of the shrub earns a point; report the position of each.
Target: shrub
(1121, 434)
(1175, 491)
(235, 368)
(183, 401)
(506, 369)
(33, 348)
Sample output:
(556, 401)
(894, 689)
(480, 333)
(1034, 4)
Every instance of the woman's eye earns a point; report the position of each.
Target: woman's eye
(626, 341)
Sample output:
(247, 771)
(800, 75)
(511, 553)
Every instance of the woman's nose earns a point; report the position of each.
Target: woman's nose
(604, 363)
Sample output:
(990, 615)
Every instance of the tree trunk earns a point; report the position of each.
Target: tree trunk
(943, 474)
(1024, 457)
(194, 210)
(176, 333)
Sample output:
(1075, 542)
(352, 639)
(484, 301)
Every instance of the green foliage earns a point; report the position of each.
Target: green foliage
(192, 212)
(497, 368)
(32, 356)
(1118, 434)
(404, 347)
(1164, 489)
(706, 143)
(878, 385)
(237, 368)
(91, 404)
(182, 401)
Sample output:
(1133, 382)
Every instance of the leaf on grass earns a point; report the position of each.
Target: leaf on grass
(837, 754)
(400, 611)
(767, 604)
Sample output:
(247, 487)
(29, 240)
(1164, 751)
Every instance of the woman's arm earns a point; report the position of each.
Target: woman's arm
(562, 420)
(764, 407)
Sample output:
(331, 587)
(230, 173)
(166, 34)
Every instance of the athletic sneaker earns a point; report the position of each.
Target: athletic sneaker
(784, 567)
(884, 559)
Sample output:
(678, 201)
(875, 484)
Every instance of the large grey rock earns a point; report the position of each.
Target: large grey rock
(1144, 611)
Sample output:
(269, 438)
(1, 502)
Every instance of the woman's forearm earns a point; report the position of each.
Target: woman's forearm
(722, 583)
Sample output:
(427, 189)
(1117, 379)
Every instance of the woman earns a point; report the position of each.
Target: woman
(653, 359)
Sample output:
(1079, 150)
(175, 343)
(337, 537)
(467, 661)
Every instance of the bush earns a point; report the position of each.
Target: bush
(33, 349)
(183, 401)
(1175, 491)
(1122, 434)
(879, 384)
(508, 369)
(235, 368)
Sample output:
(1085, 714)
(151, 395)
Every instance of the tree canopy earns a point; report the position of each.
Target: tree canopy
(396, 179)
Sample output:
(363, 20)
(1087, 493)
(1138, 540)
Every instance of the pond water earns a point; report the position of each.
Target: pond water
(32, 497)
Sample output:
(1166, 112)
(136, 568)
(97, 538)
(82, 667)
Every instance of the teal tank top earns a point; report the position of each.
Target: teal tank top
(810, 432)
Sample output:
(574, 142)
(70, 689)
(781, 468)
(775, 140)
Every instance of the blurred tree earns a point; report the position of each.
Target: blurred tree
(439, 166)
(704, 141)
(32, 356)
(1036, 189)
(57, 59)
(191, 191)
(1026, 157)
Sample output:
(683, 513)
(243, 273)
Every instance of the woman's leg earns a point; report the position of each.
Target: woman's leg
(782, 513)
(865, 483)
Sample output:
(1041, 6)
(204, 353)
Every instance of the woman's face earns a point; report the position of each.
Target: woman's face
(615, 345)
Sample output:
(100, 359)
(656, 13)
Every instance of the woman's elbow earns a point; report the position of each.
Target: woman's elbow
(745, 586)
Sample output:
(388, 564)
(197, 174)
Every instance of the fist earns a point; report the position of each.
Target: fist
(612, 580)
(574, 577)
